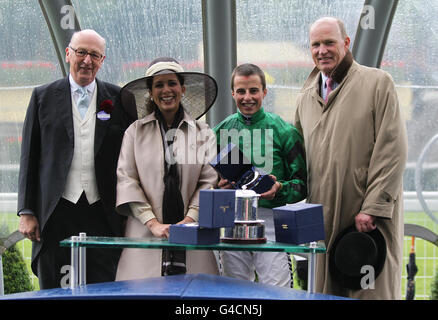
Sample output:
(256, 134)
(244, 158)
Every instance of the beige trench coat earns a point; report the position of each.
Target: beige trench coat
(140, 175)
(356, 150)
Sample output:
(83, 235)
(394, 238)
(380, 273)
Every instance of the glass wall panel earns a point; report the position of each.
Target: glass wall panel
(27, 59)
(270, 33)
(274, 35)
(412, 59)
(138, 31)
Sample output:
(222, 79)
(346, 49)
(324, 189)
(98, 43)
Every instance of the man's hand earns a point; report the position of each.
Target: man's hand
(270, 194)
(365, 222)
(158, 229)
(29, 227)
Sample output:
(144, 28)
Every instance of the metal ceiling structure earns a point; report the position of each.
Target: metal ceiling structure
(219, 34)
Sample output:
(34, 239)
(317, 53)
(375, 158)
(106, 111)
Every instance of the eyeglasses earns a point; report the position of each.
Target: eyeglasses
(81, 53)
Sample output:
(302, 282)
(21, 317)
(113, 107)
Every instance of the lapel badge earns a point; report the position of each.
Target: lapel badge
(102, 115)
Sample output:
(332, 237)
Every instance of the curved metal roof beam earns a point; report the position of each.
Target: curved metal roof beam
(62, 23)
(372, 31)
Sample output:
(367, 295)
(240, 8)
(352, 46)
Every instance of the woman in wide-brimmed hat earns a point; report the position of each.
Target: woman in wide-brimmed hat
(163, 165)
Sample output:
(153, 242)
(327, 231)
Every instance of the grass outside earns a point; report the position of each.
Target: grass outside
(426, 253)
(426, 257)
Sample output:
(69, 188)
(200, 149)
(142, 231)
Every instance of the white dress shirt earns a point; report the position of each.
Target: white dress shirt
(74, 86)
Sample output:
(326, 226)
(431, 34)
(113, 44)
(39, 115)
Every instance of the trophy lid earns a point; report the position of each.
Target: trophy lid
(246, 193)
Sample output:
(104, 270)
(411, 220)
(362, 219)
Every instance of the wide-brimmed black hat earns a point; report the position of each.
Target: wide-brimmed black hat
(353, 250)
(199, 96)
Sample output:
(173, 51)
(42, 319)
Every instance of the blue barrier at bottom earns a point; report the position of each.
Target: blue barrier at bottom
(189, 286)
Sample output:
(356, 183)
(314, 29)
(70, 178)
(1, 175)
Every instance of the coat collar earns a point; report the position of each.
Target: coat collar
(62, 101)
(339, 73)
(101, 125)
(313, 82)
(62, 96)
(151, 117)
(256, 117)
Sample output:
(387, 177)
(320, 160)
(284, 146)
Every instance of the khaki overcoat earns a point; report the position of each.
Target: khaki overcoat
(140, 175)
(356, 150)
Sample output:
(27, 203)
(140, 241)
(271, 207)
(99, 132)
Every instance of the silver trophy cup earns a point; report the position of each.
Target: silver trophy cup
(247, 228)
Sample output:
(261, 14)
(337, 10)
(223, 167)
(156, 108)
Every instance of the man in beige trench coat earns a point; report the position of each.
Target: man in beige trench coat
(356, 150)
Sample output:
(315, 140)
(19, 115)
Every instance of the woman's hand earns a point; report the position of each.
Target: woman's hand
(158, 229)
(186, 220)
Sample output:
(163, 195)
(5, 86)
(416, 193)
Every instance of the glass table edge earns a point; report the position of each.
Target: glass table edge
(144, 243)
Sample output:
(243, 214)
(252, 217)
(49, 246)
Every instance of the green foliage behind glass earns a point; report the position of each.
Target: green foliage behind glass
(434, 287)
(16, 277)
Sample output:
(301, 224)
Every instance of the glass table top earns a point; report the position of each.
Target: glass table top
(156, 243)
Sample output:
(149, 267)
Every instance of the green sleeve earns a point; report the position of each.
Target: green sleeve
(295, 181)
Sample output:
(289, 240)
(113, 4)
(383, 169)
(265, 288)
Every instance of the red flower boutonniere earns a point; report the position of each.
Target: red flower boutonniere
(107, 106)
(105, 109)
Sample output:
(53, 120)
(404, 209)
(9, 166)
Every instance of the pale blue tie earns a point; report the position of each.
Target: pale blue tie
(83, 101)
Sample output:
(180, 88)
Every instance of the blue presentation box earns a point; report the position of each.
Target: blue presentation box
(192, 233)
(299, 223)
(217, 208)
